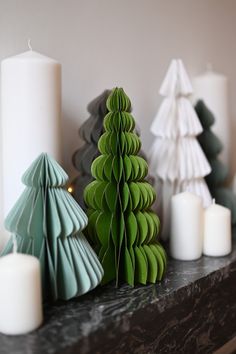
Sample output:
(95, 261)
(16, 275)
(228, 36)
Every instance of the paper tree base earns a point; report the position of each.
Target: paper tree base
(77, 267)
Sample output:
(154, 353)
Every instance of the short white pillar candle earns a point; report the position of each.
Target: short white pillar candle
(20, 294)
(217, 237)
(186, 235)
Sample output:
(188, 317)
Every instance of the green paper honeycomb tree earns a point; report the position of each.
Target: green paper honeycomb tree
(122, 227)
(212, 147)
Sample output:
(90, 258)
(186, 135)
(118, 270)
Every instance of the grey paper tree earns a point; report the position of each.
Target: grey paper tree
(212, 147)
(48, 224)
(90, 133)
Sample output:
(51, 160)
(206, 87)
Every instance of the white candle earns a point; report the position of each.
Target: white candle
(213, 89)
(217, 240)
(20, 295)
(31, 116)
(186, 235)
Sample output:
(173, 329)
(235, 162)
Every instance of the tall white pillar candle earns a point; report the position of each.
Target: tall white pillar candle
(20, 295)
(31, 116)
(213, 89)
(217, 238)
(186, 235)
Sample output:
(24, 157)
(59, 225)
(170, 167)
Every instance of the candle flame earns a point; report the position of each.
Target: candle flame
(70, 189)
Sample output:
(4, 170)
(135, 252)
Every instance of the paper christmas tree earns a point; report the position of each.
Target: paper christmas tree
(212, 147)
(176, 158)
(90, 133)
(122, 227)
(48, 224)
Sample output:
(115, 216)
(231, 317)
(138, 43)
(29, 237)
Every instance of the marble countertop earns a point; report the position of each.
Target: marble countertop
(143, 319)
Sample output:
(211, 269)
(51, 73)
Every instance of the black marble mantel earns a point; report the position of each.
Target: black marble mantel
(192, 311)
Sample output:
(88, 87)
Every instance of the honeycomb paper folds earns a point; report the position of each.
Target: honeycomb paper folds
(122, 226)
(90, 132)
(176, 157)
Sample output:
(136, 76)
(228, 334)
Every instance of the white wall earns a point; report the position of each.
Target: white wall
(129, 43)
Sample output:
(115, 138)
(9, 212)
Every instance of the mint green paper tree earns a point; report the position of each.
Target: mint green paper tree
(122, 227)
(48, 224)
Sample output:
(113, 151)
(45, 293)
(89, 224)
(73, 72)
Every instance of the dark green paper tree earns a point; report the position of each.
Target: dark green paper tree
(47, 223)
(212, 147)
(122, 227)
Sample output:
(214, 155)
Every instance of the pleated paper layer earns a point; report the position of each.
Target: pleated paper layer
(176, 118)
(178, 160)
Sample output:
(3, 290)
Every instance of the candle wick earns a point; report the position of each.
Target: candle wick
(213, 201)
(29, 44)
(14, 243)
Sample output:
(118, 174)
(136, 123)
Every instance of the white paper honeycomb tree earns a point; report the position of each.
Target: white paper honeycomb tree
(176, 158)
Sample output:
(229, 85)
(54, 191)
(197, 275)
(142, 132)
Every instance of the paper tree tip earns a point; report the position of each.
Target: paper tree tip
(45, 171)
(98, 105)
(176, 81)
(118, 101)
